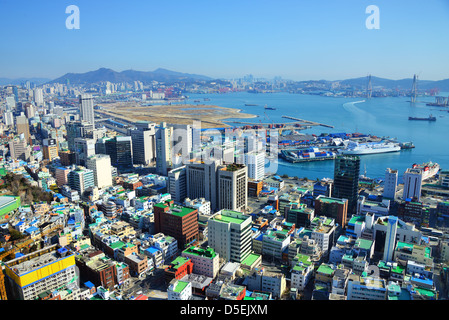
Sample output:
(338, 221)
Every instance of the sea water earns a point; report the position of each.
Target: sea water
(380, 116)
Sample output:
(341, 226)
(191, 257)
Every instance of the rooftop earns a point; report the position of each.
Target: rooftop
(180, 286)
(208, 253)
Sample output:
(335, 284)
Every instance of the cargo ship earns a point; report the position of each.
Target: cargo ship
(429, 169)
(430, 118)
(251, 105)
(269, 108)
(306, 155)
(355, 148)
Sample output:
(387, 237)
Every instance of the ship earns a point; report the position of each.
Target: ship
(430, 118)
(406, 145)
(355, 148)
(251, 105)
(429, 169)
(269, 108)
(306, 155)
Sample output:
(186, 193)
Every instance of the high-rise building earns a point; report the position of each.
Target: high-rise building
(100, 164)
(412, 184)
(120, 150)
(10, 103)
(390, 183)
(177, 221)
(22, 126)
(181, 143)
(50, 149)
(38, 96)
(84, 148)
(163, 148)
(81, 179)
(202, 181)
(232, 187)
(229, 233)
(255, 161)
(332, 208)
(61, 175)
(8, 118)
(77, 129)
(177, 184)
(144, 143)
(30, 110)
(346, 180)
(19, 148)
(48, 269)
(390, 239)
(87, 108)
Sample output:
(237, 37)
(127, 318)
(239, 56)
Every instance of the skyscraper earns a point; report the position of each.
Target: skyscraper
(22, 126)
(84, 148)
(390, 239)
(346, 180)
(81, 179)
(202, 181)
(38, 96)
(163, 148)
(120, 151)
(232, 187)
(87, 108)
(144, 143)
(50, 148)
(177, 184)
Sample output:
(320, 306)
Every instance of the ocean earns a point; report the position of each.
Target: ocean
(386, 116)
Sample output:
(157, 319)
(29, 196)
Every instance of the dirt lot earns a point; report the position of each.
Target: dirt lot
(210, 116)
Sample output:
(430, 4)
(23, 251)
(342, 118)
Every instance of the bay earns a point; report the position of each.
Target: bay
(380, 116)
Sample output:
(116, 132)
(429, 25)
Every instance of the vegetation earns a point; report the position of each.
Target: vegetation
(18, 185)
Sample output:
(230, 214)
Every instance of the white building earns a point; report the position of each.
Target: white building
(360, 288)
(229, 233)
(87, 108)
(205, 261)
(201, 204)
(255, 161)
(163, 149)
(100, 164)
(390, 183)
(179, 290)
(412, 184)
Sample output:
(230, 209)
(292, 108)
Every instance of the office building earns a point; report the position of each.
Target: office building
(50, 149)
(83, 148)
(232, 187)
(120, 150)
(19, 148)
(8, 118)
(87, 108)
(390, 183)
(177, 184)
(182, 142)
(229, 233)
(255, 162)
(22, 126)
(38, 96)
(163, 149)
(332, 208)
(81, 179)
(61, 175)
(143, 138)
(202, 181)
(77, 129)
(412, 184)
(177, 221)
(100, 164)
(346, 180)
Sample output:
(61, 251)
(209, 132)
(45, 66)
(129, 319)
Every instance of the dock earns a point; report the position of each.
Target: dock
(308, 122)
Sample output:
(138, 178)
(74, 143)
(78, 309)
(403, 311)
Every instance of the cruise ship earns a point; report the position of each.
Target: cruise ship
(354, 148)
(429, 169)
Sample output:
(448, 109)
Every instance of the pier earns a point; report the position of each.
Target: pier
(307, 122)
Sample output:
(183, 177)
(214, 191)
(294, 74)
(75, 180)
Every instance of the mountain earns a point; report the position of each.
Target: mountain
(105, 74)
(19, 81)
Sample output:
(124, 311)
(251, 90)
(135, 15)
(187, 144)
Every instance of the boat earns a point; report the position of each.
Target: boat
(429, 169)
(355, 148)
(196, 101)
(430, 118)
(269, 108)
(307, 155)
(251, 105)
(406, 145)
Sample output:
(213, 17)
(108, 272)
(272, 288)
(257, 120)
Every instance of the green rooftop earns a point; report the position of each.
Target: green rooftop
(249, 261)
(176, 210)
(180, 286)
(208, 253)
(227, 219)
(331, 200)
(179, 261)
(325, 268)
(363, 244)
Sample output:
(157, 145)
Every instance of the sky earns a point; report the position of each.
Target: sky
(293, 39)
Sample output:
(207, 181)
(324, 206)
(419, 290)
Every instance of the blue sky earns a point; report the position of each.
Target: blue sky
(295, 39)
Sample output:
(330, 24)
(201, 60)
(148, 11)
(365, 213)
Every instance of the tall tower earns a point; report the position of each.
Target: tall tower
(346, 180)
(390, 239)
(87, 108)
(414, 92)
(369, 89)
